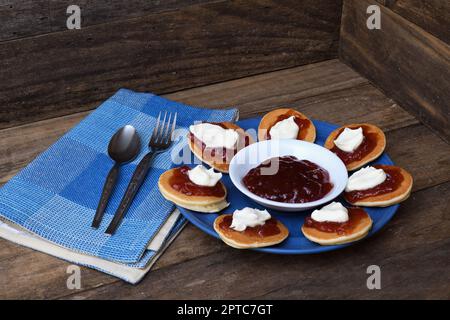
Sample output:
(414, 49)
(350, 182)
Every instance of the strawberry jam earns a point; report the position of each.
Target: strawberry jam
(180, 182)
(394, 178)
(367, 146)
(269, 228)
(302, 124)
(355, 215)
(295, 181)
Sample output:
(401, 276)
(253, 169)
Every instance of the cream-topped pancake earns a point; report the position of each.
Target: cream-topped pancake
(176, 186)
(394, 188)
(220, 153)
(286, 123)
(245, 229)
(336, 224)
(352, 148)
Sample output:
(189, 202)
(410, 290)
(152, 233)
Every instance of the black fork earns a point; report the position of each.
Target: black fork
(160, 140)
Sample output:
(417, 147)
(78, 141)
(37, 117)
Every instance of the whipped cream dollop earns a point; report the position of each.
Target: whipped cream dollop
(249, 217)
(349, 139)
(333, 212)
(204, 177)
(214, 136)
(285, 129)
(365, 178)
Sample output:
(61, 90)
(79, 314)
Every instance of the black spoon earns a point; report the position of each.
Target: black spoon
(123, 147)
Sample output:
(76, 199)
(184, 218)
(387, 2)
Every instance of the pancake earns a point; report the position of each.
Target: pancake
(214, 162)
(242, 240)
(270, 119)
(383, 200)
(360, 230)
(192, 202)
(374, 131)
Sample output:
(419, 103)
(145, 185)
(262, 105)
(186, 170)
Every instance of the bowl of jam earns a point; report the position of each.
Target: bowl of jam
(288, 175)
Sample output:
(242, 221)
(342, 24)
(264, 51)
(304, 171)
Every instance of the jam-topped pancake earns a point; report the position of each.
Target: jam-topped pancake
(340, 228)
(394, 189)
(269, 228)
(176, 186)
(370, 147)
(293, 180)
(303, 126)
(180, 182)
(325, 232)
(219, 156)
(269, 233)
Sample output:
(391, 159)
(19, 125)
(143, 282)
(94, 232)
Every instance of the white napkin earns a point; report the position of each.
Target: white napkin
(159, 243)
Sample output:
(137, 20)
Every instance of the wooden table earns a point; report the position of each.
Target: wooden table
(413, 250)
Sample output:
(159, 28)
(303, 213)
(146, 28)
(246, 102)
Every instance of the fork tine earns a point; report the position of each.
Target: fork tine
(161, 130)
(155, 130)
(173, 127)
(166, 130)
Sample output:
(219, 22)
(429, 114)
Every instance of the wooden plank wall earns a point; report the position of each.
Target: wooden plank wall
(409, 58)
(22, 18)
(431, 15)
(159, 46)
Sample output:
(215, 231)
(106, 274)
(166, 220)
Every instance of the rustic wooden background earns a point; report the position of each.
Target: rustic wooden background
(409, 58)
(256, 55)
(157, 46)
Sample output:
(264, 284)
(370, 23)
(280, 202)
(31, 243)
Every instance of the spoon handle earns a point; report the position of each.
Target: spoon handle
(106, 193)
(136, 181)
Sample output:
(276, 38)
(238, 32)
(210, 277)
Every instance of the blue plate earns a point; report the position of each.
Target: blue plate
(296, 243)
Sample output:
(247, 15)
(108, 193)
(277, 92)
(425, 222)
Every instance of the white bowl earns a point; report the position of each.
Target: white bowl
(252, 155)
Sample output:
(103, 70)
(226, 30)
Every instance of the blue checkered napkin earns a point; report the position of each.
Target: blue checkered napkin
(56, 195)
(149, 255)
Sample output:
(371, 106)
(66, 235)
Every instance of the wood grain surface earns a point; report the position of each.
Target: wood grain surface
(27, 18)
(407, 63)
(95, 12)
(59, 73)
(413, 250)
(23, 18)
(431, 15)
